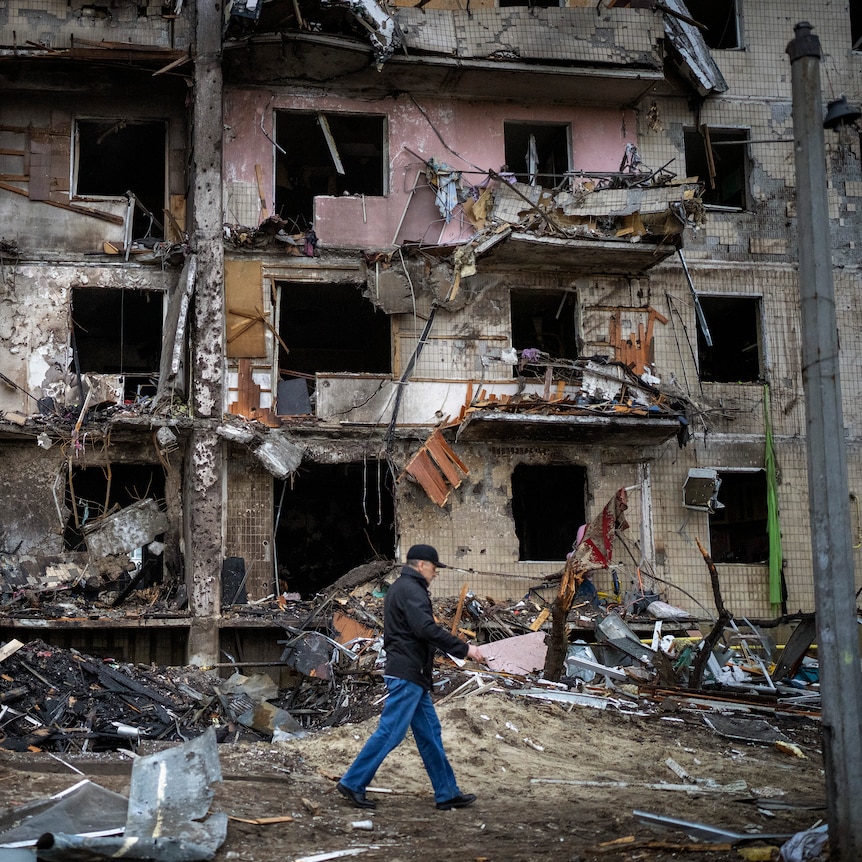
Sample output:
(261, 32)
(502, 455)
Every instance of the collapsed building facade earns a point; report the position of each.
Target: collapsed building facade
(287, 290)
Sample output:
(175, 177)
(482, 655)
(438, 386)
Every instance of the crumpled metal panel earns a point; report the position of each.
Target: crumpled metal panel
(170, 792)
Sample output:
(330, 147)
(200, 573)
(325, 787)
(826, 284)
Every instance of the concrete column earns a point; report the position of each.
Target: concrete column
(829, 499)
(205, 462)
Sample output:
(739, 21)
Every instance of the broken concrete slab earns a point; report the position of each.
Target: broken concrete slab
(522, 654)
(124, 531)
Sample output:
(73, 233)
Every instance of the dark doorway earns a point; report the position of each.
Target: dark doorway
(326, 154)
(117, 156)
(331, 328)
(548, 504)
(119, 332)
(329, 519)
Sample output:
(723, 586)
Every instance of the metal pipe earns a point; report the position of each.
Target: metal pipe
(829, 509)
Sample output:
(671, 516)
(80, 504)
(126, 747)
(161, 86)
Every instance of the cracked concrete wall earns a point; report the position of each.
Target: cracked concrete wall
(35, 349)
(38, 119)
(58, 23)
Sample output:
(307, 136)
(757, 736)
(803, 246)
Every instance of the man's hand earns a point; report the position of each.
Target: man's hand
(474, 653)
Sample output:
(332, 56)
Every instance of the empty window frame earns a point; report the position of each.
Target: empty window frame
(538, 153)
(734, 324)
(330, 328)
(548, 505)
(92, 492)
(856, 24)
(719, 158)
(329, 519)
(116, 156)
(545, 320)
(738, 528)
(327, 154)
(721, 19)
(118, 331)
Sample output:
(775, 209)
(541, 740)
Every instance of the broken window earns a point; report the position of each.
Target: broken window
(330, 328)
(719, 158)
(326, 154)
(738, 527)
(329, 519)
(93, 492)
(538, 153)
(117, 331)
(548, 505)
(545, 320)
(116, 156)
(734, 327)
(721, 18)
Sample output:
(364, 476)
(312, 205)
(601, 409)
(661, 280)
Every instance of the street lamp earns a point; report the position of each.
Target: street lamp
(829, 508)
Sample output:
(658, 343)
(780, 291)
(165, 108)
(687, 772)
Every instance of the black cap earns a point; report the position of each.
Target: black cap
(425, 552)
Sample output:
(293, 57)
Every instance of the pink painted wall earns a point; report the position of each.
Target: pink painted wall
(473, 130)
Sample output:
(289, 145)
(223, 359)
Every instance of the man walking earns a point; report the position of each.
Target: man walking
(410, 638)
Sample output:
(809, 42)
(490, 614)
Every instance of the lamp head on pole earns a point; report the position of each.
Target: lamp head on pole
(840, 113)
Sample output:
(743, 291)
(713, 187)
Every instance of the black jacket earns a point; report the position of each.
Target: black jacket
(410, 634)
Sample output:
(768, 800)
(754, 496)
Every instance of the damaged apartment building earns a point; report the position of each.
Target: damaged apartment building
(287, 289)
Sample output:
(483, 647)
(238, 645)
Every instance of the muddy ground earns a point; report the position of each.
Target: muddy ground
(501, 746)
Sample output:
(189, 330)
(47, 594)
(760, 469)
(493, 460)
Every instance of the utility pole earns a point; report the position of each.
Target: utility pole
(204, 478)
(829, 499)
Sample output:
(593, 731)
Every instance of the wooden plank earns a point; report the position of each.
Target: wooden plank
(439, 451)
(75, 208)
(457, 621)
(243, 287)
(424, 471)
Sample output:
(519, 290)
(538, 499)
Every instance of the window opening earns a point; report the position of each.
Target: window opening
(117, 331)
(546, 529)
(329, 519)
(115, 156)
(736, 352)
(92, 492)
(721, 19)
(331, 328)
(538, 153)
(545, 320)
(738, 527)
(326, 154)
(719, 158)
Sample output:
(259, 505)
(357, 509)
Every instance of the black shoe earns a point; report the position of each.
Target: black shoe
(463, 800)
(358, 799)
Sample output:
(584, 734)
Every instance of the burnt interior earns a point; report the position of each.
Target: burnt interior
(329, 519)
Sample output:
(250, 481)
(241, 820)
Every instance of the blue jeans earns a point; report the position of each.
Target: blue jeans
(408, 705)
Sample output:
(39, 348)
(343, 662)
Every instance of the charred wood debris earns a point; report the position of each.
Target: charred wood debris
(648, 657)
